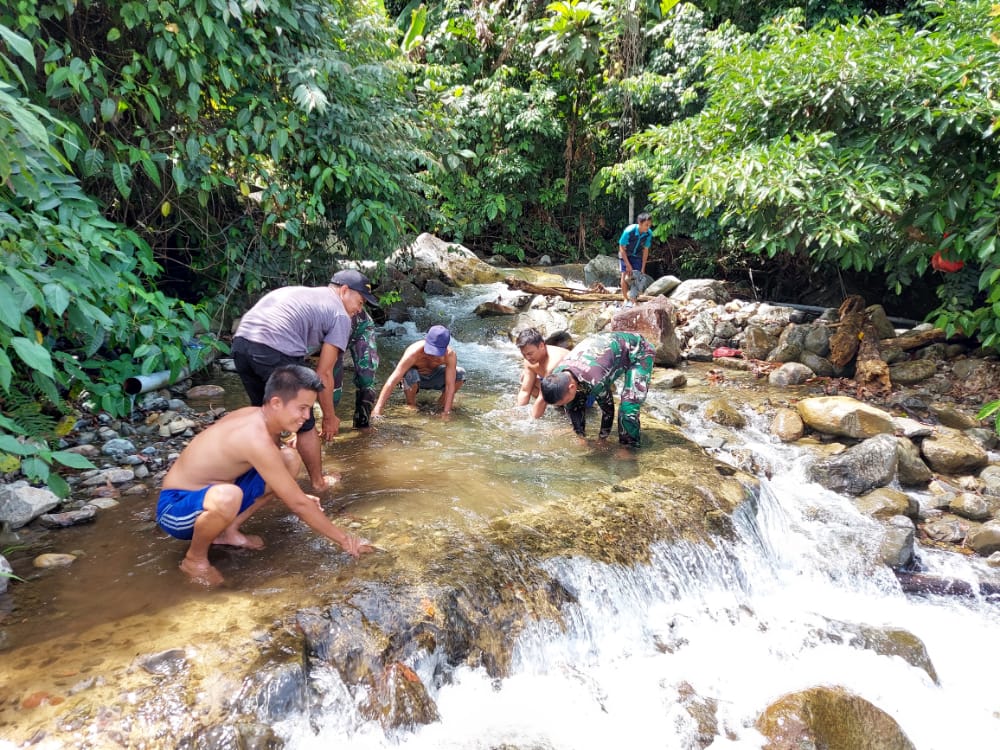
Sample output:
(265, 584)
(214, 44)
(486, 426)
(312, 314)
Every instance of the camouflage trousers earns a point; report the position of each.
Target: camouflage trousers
(364, 354)
(633, 396)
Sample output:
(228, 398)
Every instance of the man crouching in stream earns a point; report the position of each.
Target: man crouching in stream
(234, 467)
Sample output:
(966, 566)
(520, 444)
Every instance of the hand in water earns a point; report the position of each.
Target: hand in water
(355, 546)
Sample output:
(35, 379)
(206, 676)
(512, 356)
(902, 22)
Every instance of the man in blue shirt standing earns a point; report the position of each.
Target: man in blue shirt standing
(633, 250)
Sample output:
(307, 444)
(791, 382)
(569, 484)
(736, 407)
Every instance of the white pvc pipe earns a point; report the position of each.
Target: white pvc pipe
(142, 383)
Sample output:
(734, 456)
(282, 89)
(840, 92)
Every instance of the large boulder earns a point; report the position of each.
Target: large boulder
(655, 320)
(844, 416)
(707, 289)
(430, 257)
(985, 539)
(949, 451)
(859, 469)
(604, 269)
(829, 717)
(20, 503)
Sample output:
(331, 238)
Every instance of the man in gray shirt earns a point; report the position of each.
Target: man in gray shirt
(287, 325)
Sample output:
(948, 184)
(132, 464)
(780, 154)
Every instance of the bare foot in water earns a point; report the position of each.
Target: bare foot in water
(238, 539)
(203, 574)
(329, 482)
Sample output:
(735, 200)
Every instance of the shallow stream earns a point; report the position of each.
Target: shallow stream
(739, 624)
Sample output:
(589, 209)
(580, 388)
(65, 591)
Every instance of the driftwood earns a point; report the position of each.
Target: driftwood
(913, 340)
(844, 343)
(871, 372)
(570, 295)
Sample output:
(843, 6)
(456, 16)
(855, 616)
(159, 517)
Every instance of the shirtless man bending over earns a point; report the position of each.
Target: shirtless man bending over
(539, 360)
(236, 466)
(430, 363)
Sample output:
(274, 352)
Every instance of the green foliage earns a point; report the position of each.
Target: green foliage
(236, 138)
(992, 409)
(870, 145)
(22, 448)
(72, 291)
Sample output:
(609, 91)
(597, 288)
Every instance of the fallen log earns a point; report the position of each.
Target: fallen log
(922, 583)
(871, 372)
(844, 342)
(568, 294)
(914, 339)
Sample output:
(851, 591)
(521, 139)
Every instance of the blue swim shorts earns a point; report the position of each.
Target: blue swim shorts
(432, 382)
(177, 510)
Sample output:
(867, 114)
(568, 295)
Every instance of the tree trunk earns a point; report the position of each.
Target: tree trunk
(570, 295)
(913, 340)
(844, 343)
(871, 372)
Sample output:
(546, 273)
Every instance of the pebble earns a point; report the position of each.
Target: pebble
(53, 560)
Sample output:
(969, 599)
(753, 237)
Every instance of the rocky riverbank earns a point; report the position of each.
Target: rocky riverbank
(914, 457)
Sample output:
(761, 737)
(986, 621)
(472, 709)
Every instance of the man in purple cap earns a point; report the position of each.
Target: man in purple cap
(429, 363)
(283, 328)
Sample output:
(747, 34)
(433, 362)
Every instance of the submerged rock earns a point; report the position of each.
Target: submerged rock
(829, 717)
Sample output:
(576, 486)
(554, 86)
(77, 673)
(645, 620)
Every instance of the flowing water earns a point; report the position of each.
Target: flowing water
(737, 625)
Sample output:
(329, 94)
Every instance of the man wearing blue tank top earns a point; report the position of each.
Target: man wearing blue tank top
(633, 250)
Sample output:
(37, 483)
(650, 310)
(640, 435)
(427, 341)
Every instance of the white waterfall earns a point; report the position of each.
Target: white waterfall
(732, 627)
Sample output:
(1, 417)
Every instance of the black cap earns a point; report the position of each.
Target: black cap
(357, 281)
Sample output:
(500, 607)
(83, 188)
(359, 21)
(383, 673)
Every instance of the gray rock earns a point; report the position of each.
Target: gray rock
(757, 343)
(706, 289)
(663, 285)
(790, 373)
(859, 469)
(985, 540)
(118, 447)
(911, 371)
(817, 340)
(990, 476)
(911, 471)
(876, 314)
(86, 514)
(672, 379)
(911, 428)
(896, 549)
(949, 451)
(970, 505)
(20, 503)
(108, 476)
(603, 269)
(6, 571)
(950, 530)
(819, 365)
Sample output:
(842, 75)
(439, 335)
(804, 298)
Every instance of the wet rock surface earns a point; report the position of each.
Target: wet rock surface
(469, 596)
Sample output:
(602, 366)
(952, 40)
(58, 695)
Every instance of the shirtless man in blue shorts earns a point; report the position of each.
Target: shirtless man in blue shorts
(236, 466)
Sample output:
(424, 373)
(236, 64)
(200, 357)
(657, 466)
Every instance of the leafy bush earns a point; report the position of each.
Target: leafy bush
(75, 310)
(870, 145)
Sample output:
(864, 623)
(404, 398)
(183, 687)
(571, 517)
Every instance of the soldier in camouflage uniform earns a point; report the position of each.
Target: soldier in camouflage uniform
(587, 373)
(364, 353)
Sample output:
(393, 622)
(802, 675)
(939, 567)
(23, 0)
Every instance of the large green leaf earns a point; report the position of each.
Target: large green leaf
(33, 355)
